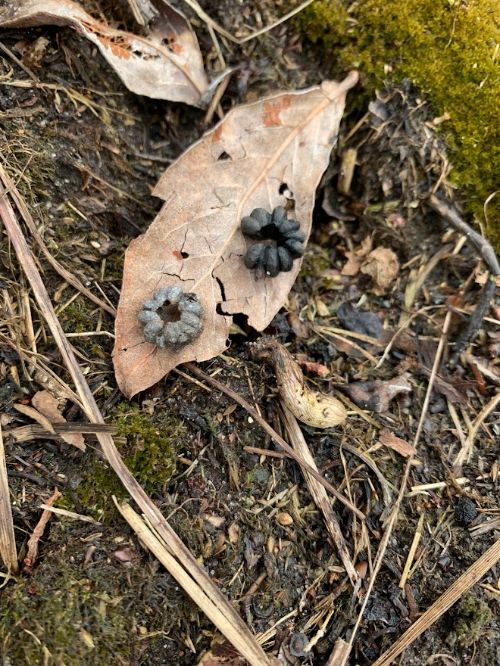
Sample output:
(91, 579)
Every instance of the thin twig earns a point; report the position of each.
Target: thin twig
(482, 245)
(30, 223)
(466, 449)
(476, 319)
(469, 578)
(155, 544)
(32, 554)
(213, 24)
(273, 434)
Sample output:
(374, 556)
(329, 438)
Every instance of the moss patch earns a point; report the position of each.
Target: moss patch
(473, 615)
(150, 452)
(148, 446)
(68, 616)
(448, 48)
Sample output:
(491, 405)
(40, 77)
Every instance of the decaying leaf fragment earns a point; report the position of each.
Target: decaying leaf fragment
(376, 395)
(250, 160)
(313, 408)
(50, 407)
(167, 64)
(382, 266)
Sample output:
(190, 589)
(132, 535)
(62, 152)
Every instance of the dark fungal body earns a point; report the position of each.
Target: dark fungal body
(172, 318)
(281, 241)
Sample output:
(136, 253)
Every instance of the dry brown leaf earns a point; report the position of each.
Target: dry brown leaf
(356, 257)
(167, 64)
(382, 266)
(195, 240)
(388, 438)
(48, 406)
(34, 414)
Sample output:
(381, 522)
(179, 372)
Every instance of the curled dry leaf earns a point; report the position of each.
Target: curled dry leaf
(167, 64)
(313, 408)
(382, 266)
(48, 405)
(256, 154)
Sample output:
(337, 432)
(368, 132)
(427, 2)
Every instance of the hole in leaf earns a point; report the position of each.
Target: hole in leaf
(169, 312)
(283, 188)
(184, 255)
(223, 156)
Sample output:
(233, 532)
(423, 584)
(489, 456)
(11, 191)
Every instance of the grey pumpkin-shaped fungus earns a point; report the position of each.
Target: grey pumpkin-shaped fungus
(281, 241)
(171, 318)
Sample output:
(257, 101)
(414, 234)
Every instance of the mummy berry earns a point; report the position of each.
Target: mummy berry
(172, 318)
(280, 241)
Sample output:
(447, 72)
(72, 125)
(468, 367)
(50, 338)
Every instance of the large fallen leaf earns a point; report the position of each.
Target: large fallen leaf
(257, 154)
(165, 65)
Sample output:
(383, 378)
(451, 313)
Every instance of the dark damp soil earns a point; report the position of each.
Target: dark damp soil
(85, 154)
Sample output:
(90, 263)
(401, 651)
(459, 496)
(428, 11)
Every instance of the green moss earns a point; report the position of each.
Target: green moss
(148, 447)
(448, 49)
(67, 617)
(473, 615)
(149, 452)
(77, 318)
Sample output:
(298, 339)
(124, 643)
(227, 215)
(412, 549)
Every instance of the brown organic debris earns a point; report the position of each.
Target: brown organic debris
(389, 439)
(49, 406)
(196, 240)
(376, 395)
(382, 266)
(144, 64)
(313, 408)
(32, 554)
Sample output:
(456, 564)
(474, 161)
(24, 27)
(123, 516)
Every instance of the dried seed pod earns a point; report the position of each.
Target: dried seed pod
(316, 409)
(287, 227)
(253, 223)
(283, 241)
(251, 227)
(172, 317)
(279, 215)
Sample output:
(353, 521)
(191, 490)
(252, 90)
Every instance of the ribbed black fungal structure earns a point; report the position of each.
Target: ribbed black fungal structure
(281, 241)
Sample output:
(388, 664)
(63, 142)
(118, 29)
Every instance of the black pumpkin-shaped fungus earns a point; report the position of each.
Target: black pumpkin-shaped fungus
(172, 318)
(281, 241)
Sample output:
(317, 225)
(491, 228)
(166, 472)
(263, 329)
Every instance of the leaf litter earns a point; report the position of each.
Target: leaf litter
(297, 570)
(245, 162)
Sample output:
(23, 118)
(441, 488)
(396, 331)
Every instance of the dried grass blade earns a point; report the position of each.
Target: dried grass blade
(8, 549)
(469, 578)
(318, 492)
(340, 653)
(93, 413)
